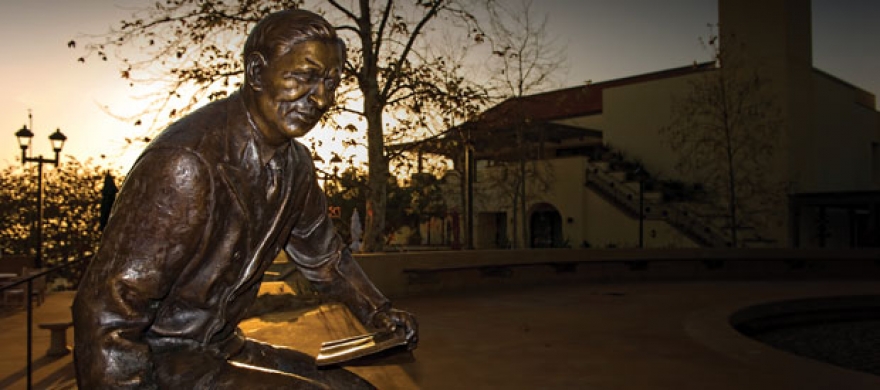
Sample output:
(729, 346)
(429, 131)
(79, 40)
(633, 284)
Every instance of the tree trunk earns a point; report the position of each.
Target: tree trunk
(377, 176)
(728, 149)
(515, 222)
(522, 200)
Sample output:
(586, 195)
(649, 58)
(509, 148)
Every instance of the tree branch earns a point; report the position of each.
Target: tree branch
(409, 44)
(344, 10)
(381, 31)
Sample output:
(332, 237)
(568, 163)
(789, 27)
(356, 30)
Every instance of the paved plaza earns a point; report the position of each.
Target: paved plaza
(648, 335)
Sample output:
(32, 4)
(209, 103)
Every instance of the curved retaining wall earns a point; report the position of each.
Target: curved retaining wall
(841, 330)
(407, 273)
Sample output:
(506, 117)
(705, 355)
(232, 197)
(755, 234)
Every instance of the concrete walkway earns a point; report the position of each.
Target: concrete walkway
(586, 336)
(616, 336)
(48, 373)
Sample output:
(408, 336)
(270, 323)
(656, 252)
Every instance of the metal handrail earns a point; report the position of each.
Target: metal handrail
(29, 279)
(680, 216)
(683, 216)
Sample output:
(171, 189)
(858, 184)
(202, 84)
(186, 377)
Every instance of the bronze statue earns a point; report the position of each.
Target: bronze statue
(203, 213)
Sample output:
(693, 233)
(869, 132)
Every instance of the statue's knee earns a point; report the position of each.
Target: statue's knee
(239, 376)
(275, 358)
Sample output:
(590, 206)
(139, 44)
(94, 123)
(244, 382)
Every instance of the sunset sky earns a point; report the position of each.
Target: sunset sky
(605, 39)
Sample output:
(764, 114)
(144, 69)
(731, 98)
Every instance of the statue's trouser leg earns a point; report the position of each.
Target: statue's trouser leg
(190, 369)
(297, 363)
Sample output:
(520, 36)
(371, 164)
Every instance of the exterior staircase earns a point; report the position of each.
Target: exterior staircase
(704, 223)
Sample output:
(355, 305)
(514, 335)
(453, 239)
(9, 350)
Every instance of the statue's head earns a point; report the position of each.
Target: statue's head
(293, 62)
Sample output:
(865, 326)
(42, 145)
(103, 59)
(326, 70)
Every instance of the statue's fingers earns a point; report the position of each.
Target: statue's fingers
(384, 321)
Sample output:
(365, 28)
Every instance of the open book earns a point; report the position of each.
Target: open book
(352, 348)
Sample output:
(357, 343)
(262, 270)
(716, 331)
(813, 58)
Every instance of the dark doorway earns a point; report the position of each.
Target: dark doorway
(492, 232)
(545, 227)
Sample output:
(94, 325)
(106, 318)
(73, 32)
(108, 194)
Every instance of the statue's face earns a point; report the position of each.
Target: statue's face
(296, 89)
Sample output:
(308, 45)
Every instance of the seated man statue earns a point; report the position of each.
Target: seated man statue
(204, 212)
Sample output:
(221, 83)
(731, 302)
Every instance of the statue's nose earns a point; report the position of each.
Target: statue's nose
(321, 96)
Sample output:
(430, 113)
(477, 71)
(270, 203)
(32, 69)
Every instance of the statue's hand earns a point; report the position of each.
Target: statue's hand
(393, 319)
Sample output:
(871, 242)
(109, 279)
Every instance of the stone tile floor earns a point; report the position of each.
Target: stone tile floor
(586, 336)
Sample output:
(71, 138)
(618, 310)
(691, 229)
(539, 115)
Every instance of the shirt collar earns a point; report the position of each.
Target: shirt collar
(264, 151)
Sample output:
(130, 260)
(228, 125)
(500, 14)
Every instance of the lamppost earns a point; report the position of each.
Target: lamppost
(324, 175)
(640, 175)
(57, 139)
(469, 178)
(334, 163)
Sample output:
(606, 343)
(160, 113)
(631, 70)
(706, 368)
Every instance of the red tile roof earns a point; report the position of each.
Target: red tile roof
(495, 124)
(569, 102)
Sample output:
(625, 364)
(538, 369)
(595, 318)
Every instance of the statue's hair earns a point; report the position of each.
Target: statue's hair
(275, 34)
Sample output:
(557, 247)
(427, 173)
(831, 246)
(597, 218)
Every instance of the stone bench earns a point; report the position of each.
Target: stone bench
(58, 343)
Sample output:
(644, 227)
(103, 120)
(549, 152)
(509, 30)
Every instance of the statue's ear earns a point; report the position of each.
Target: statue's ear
(254, 65)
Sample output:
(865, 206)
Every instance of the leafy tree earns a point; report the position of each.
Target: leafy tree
(426, 199)
(408, 205)
(194, 46)
(348, 191)
(71, 210)
(725, 131)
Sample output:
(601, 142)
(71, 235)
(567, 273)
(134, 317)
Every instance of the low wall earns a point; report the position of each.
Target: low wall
(15, 264)
(408, 273)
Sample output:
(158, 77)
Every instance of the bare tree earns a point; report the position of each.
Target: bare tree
(725, 131)
(505, 183)
(526, 59)
(194, 48)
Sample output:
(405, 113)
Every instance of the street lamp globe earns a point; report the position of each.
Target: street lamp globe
(57, 138)
(24, 136)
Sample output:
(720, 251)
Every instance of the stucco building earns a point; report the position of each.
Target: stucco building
(599, 172)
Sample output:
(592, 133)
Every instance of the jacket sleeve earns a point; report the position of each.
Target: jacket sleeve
(156, 228)
(323, 257)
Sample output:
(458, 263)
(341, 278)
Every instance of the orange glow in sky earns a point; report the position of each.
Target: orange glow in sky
(605, 39)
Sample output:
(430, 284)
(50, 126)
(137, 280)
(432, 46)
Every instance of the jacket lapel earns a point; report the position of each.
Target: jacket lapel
(240, 167)
(236, 183)
(242, 173)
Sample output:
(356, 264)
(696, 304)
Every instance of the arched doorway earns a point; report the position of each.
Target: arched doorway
(545, 227)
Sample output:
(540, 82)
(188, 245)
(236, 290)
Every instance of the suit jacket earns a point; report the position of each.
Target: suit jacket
(197, 222)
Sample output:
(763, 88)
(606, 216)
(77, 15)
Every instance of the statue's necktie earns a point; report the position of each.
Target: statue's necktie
(273, 170)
